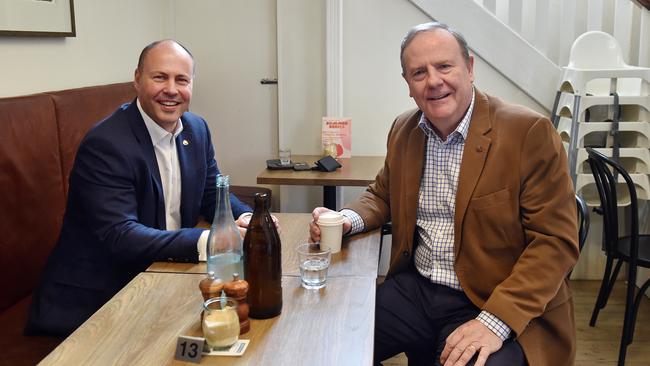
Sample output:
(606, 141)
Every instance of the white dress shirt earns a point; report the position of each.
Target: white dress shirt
(164, 145)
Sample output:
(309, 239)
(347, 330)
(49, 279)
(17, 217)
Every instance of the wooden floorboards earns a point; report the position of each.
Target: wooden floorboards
(599, 345)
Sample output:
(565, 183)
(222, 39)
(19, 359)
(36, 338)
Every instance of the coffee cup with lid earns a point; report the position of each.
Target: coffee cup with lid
(331, 229)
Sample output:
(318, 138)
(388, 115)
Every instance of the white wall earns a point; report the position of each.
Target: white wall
(301, 73)
(374, 91)
(110, 36)
(301, 89)
(234, 45)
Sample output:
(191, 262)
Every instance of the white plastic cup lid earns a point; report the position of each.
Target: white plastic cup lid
(330, 218)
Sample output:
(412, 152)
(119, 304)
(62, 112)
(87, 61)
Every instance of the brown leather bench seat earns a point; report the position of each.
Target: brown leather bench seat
(39, 136)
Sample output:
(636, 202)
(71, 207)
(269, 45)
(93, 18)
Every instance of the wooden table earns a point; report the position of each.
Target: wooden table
(141, 324)
(355, 171)
(359, 255)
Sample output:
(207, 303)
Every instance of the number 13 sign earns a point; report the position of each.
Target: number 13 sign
(189, 349)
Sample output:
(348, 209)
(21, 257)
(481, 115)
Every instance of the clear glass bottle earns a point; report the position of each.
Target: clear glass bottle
(224, 246)
(263, 262)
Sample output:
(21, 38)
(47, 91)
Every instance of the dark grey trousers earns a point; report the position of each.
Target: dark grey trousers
(415, 316)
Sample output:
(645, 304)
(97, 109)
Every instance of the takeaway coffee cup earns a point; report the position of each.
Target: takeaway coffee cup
(331, 230)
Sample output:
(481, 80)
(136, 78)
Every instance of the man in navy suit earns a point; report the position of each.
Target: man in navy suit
(141, 179)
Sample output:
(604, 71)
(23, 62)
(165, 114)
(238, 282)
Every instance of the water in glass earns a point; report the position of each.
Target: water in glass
(313, 272)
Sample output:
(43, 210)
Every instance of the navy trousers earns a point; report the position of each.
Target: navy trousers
(415, 316)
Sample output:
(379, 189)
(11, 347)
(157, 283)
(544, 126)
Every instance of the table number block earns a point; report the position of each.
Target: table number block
(189, 349)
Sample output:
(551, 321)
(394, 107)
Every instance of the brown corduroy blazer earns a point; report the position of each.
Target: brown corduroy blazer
(515, 220)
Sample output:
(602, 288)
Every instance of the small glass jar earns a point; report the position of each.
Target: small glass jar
(220, 322)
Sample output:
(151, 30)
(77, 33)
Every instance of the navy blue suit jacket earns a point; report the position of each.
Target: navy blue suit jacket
(114, 225)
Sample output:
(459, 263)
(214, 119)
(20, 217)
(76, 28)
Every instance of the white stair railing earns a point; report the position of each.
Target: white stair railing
(552, 25)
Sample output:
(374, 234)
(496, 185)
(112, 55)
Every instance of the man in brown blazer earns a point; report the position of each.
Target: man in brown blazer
(484, 221)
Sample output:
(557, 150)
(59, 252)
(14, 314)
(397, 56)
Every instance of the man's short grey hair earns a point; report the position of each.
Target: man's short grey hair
(428, 27)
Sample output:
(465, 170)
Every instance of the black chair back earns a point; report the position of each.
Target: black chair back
(606, 172)
(583, 224)
(603, 169)
(583, 221)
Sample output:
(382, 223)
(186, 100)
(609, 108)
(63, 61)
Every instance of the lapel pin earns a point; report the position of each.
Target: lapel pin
(185, 143)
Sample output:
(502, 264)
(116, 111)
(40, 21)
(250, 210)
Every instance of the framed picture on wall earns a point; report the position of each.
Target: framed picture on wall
(37, 18)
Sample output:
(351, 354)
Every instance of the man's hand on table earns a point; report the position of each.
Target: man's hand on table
(244, 219)
(314, 230)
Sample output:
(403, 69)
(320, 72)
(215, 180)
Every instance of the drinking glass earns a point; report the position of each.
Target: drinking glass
(314, 263)
(220, 322)
(285, 156)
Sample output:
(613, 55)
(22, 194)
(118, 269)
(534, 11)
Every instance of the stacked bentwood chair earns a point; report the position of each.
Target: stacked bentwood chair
(633, 249)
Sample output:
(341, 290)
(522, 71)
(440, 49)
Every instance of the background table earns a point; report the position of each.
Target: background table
(355, 171)
(359, 255)
(141, 324)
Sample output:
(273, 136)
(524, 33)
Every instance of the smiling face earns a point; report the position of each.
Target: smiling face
(164, 83)
(439, 78)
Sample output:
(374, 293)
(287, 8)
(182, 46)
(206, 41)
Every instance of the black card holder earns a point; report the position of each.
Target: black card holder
(327, 164)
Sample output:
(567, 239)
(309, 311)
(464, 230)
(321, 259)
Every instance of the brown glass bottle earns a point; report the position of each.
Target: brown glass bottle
(263, 262)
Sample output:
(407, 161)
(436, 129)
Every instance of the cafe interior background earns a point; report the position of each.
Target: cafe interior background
(331, 58)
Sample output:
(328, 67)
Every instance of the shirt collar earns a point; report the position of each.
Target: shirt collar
(157, 133)
(462, 128)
